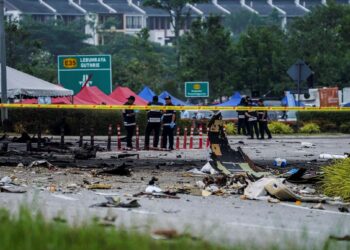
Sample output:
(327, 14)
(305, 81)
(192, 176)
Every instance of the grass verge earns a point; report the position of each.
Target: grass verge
(336, 180)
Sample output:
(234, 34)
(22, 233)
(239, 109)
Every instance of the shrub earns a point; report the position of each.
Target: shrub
(230, 128)
(310, 128)
(324, 117)
(50, 121)
(336, 181)
(345, 128)
(280, 128)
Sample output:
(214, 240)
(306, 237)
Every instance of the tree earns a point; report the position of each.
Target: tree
(178, 15)
(26, 54)
(207, 55)
(239, 22)
(55, 36)
(136, 61)
(262, 56)
(322, 38)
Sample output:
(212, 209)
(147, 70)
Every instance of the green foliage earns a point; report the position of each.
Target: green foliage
(239, 22)
(310, 128)
(322, 39)
(280, 128)
(207, 55)
(51, 121)
(37, 233)
(345, 128)
(56, 37)
(263, 59)
(336, 179)
(327, 121)
(137, 62)
(231, 128)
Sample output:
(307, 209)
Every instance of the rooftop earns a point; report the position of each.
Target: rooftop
(63, 7)
(231, 5)
(289, 7)
(29, 7)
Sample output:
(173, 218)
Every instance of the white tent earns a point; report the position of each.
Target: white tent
(22, 84)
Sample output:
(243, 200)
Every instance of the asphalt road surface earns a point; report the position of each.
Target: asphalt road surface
(214, 218)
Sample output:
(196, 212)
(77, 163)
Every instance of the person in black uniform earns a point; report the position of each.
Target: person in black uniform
(129, 122)
(262, 120)
(153, 123)
(252, 121)
(241, 127)
(169, 118)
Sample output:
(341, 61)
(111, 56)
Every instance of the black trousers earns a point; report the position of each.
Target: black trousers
(247, 126)
(253, 127)
(168, 132)
(264, 128)
(129, 133)
(152, 126)
(241, 127)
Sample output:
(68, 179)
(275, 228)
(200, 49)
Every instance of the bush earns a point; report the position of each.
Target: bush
(230, 128)
(51, 120)
(280, 128)
(327, 121)
(310, 128)
(336, 181)
(345, 128)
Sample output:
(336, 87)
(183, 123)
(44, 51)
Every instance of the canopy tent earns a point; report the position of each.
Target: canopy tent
(288, 100)
(346, 104)
(121, 94)
(147, 94)
(234, 100)
(93, 95)
(22, 84)
(54, 100)
(174, 100)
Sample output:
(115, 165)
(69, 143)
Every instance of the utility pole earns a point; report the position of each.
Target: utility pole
(4, 114)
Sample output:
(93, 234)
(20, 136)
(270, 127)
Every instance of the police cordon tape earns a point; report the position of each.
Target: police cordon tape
(178, 108)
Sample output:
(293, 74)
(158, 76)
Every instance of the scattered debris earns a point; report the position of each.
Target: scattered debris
(344, 238)
(279, 162)
(99, 186)
(153, 189)
(330, 156)
(153, 181)
(343, 209)
(166, 233)
(307, 144)
(12, 189)
(42, 163)
(207, 168)
(319, 206)
(120, 170)
(116, 202)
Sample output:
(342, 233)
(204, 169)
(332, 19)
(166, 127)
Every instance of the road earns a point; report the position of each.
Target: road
(218, 219)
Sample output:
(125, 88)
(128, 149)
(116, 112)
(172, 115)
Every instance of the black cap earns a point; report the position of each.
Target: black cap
(168, 97)
(131, 97)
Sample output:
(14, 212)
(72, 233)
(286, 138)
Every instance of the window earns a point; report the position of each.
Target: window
(133, 22)
(158, 23)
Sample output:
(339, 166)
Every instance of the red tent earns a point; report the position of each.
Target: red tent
(61, 100)
(93, 95)
(122, 93)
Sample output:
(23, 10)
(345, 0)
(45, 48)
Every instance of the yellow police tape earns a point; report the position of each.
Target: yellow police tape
(178, 108)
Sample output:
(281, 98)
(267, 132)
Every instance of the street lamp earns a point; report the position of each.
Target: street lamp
(4, 114)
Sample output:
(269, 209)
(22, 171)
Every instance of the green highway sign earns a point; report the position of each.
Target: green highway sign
(197, 89)
(94, 70)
